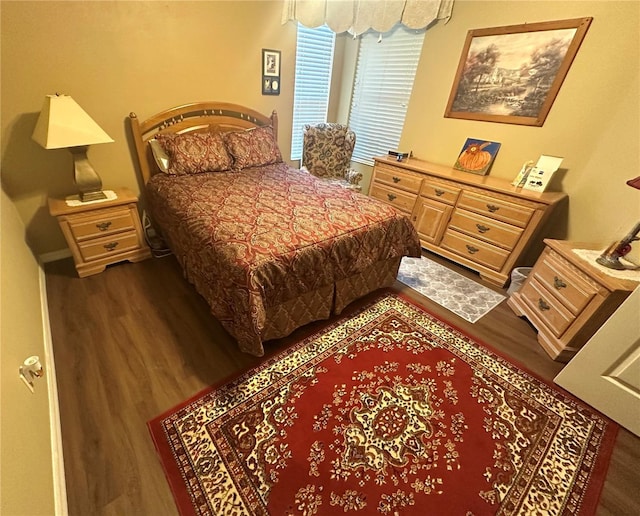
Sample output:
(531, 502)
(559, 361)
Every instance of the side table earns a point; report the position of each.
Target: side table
(102, 233)
(567, 297)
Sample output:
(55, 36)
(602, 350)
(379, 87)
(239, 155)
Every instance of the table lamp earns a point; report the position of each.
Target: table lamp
(611, 255)
(64, 124)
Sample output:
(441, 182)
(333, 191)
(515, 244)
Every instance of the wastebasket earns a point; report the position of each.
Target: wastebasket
(518, 275)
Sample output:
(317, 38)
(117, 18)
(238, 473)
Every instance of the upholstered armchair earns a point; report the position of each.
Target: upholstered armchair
(326, 153)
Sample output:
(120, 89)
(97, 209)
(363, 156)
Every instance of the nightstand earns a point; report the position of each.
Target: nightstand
(567, 297)
(102, 233)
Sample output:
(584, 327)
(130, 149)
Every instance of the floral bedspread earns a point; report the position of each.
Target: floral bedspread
(255, 238)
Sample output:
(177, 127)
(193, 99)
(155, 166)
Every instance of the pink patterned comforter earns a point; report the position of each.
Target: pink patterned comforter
(253, 239)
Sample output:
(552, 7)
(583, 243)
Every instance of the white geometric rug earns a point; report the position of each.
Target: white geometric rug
(462, 296)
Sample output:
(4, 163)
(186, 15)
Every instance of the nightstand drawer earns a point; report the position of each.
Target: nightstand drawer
(397, 198)
(106, 222)
(440, 191)
(564, 282)
(108, 246)
(473, 249)
(489, 230)
(495, 208)
(397, 178)
(546, 307)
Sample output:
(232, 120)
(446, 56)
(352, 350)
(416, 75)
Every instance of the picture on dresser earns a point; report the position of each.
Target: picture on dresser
(477, 156)
(513, 74)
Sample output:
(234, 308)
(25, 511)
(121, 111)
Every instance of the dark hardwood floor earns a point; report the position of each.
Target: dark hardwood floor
(136, 340)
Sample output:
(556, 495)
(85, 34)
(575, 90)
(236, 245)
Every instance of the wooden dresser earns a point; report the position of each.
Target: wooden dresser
(481, 222)
(568, 298)
(103, 233)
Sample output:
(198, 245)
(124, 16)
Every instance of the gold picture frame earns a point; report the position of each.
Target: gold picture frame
(513, 74)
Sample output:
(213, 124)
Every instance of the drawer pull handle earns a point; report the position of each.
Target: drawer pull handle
(542, 305)
(558, 283)
(103, 226)
(391, 197)
(439, 192)
(110, 246)
(396, 179)
(471, 249)
(492, 208)
(482, 229)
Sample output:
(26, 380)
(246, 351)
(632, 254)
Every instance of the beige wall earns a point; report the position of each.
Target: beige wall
(593, 123)
(26, 480)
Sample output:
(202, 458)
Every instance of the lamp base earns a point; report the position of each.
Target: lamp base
(75, 201)
(86, 178)
(92, 196)
(607, 260)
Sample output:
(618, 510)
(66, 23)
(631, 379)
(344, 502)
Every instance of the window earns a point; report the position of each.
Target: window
(314, 62)
(385, 71)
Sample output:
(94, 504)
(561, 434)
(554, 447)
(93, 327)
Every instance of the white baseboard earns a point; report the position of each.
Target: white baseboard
(57, 458)
(54, 256)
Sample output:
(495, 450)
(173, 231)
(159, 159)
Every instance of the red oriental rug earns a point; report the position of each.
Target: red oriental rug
(390, 412)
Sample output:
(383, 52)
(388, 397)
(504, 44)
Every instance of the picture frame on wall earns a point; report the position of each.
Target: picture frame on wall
(512, 74)
(477, 156)
(270, 72)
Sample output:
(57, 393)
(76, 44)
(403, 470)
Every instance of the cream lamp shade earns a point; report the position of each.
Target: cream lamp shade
(64, 124)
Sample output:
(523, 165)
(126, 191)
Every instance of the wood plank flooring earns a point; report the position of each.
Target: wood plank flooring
(136, 340)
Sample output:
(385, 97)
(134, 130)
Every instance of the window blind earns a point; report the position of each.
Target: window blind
(385, 70)
(314, 62)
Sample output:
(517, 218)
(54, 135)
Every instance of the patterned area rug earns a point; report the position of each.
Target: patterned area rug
(462, 296)
(389, 412)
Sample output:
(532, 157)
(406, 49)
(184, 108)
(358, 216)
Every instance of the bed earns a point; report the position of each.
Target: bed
(270, 247)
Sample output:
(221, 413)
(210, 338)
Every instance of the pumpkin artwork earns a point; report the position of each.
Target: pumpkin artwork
(474, 158)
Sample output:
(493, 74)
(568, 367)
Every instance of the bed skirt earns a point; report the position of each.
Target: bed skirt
(322, 303)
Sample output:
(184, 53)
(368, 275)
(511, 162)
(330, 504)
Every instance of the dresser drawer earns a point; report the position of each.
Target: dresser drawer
(99, 248)
(397, 178)
(473, 249)
(498, 209)
(484, 228)
(404, 201)
(439, 191)
(546, 307)
(106, 222)
(567, 284)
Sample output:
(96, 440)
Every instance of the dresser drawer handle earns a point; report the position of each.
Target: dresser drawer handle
(542, 305)
(439, 193)
(482, 229)
(558, 283)
(492, 208)
(471, 249)
(391, 197)
(110, 246)
(103, 226)
(396, 179)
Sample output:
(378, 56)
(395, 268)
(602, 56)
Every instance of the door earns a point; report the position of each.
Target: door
(605, 373)
(430, 219)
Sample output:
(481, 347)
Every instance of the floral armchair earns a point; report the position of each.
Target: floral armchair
(326, 153)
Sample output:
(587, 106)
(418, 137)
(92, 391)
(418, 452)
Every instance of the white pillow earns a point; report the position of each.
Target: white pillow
(161, 157)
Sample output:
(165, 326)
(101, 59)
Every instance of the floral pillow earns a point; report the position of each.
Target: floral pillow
(252, 148)
(193, 153)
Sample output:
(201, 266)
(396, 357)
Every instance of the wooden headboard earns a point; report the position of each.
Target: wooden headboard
(199, 117)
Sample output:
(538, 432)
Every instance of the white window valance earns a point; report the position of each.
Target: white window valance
(358, 16)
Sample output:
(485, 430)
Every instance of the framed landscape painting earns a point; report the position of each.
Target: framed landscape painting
(512, 74)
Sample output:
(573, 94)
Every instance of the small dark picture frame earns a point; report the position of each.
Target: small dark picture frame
(270, 72)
